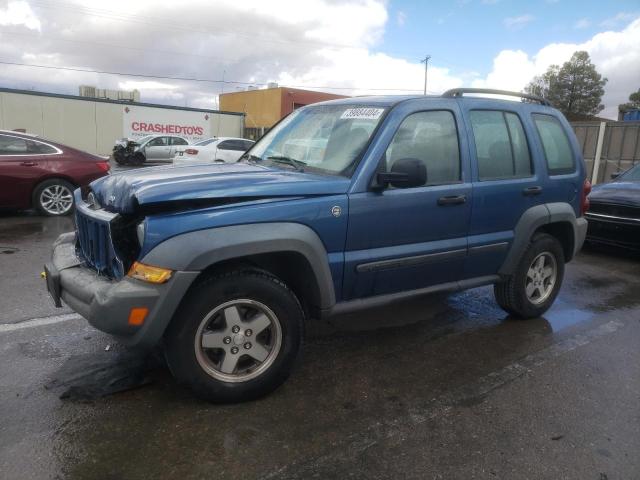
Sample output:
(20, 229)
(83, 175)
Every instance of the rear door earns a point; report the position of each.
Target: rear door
(402, 239)
(505, 183)
(176, 144)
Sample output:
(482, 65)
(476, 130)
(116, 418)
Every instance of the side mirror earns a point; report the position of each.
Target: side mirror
(615, 175)
(405, 173)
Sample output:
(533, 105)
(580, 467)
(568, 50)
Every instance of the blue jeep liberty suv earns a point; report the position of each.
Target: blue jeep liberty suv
(341, 205)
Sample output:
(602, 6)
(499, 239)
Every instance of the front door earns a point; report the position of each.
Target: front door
(158, 150)
(403, 239)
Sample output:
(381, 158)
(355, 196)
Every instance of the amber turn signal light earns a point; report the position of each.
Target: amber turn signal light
(150, 274)
(137, 316)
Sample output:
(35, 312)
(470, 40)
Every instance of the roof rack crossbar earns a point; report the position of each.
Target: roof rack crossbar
(459, 92)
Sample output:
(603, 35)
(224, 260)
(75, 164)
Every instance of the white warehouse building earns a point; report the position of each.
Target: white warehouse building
(93, 124)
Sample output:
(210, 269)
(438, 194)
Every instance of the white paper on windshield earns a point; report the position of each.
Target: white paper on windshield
(362, 113)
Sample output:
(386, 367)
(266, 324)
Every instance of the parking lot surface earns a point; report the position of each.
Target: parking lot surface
(439, 387)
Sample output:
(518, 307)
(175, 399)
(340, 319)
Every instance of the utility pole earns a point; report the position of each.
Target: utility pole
(425, 60)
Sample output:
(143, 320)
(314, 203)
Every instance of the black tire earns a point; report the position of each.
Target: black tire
(206, 297)
(511, 294)
(39, 197)
(138, 159)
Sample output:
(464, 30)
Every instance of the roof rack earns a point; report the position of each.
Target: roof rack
(459, 92)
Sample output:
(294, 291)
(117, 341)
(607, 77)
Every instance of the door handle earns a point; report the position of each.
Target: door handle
(532, 191)
(28, 164)
(452, 200)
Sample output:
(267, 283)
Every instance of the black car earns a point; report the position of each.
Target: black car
(614, 214)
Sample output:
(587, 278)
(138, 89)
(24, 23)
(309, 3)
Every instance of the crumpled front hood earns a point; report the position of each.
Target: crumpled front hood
(627, 193)
(127, 191)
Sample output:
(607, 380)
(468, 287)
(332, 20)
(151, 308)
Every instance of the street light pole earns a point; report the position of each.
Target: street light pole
(425, 60)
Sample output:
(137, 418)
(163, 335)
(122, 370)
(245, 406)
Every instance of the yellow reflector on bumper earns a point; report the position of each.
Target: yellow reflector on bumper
(150, 274)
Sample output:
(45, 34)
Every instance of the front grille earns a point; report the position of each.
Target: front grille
(622, 211)
(95, 245)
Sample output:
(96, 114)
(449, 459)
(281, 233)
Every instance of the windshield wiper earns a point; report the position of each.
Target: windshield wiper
(297, 164)
(250, 158)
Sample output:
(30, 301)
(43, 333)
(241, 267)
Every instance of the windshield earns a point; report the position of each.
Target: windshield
(325, 138)
(632, 175)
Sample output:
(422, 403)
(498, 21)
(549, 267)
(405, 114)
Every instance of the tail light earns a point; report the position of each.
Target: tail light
(584, 200)
(104, 166)
(191, 151)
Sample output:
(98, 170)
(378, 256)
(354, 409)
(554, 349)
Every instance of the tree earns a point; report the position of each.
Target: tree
(634, 102)
(576, 88)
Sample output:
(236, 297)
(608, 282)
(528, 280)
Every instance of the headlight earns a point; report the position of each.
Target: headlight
(140, 233)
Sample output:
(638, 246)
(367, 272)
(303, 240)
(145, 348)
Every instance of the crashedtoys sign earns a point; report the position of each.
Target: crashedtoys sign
(139, 122)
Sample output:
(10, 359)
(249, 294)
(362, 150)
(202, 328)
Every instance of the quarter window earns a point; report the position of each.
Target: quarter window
(501, 145)
(556, 146)
(432, 138)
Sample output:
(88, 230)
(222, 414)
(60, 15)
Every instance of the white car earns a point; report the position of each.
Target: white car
(217, 149)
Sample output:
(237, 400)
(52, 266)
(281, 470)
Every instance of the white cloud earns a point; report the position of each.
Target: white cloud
(516, 23)
(329, 43)
(622, 17)
(19, 13)
(401, 18)
(582, 23)
(616, 56)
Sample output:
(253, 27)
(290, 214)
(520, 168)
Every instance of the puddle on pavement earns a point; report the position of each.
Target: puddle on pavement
(563, 315)
(94, 375)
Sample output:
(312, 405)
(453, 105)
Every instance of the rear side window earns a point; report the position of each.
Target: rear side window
(501, 145)
(557, 149)
(178, 141)
(12, 146)
(37, 147)
(237, 145)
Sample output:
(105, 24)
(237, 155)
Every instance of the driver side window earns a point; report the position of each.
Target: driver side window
(432, 138)
(158, 142)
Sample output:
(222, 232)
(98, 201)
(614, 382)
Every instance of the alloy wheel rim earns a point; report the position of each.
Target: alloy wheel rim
(541, 278)
(56, 199)
(238, 340)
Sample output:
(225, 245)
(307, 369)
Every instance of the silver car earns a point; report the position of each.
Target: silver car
(152, 148)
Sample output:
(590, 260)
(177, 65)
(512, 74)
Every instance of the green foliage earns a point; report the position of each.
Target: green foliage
(576, 88)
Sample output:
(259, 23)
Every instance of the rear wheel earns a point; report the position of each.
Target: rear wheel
(54, 197)
(236, 336)
(533, 287)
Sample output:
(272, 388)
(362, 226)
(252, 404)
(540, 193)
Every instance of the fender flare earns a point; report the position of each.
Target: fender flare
(530, 221)
(197, 250)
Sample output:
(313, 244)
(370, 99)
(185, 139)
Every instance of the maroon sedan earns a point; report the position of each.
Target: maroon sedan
(42, 174)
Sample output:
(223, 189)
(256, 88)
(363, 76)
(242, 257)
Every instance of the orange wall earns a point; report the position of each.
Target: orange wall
(265, 107)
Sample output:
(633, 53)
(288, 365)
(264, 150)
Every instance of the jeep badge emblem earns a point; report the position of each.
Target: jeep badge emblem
(336, 211)
(112, 199)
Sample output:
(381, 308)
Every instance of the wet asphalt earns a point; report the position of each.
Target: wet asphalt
(443, 387)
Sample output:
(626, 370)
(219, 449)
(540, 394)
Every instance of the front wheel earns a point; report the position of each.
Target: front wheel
(533, 287)
(236, 336)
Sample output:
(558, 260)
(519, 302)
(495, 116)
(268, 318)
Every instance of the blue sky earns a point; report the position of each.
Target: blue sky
(467, 35)
(352, 47)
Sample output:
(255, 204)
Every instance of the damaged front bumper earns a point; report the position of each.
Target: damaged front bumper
(107, 303)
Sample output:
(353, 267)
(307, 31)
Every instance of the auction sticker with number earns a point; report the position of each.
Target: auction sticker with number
(362, 113)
